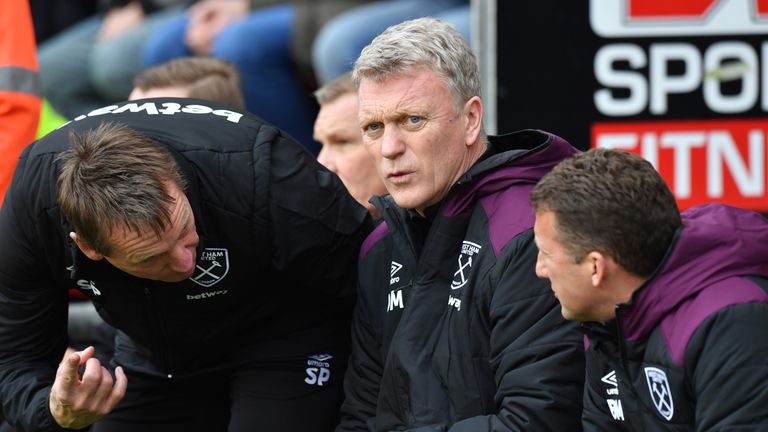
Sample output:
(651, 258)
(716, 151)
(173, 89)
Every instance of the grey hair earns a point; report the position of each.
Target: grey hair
(422, 42)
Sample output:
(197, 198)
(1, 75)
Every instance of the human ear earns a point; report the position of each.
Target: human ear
(598, 264)
(85, 247)
(473, 114)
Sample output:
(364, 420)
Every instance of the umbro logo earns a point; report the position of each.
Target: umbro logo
(321, 357)
(610, 378)
(613, 401)
(396, 266)
(318, 370)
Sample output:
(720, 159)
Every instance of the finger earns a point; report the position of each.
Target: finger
(100, 400)
(118, 390)
(86, 354)
(92, 377)
(66, 374)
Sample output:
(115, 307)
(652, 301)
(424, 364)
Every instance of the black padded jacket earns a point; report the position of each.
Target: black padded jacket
(453, 331)
(689, 352)
(279, 238)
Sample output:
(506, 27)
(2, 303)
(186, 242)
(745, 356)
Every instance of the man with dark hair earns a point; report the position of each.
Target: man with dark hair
(452, 328)
(186, 77)
(219, 248)
(675, 307)
(191, 77)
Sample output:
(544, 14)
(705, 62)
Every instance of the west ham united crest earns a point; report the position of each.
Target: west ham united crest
(468, 251)
(211, 267)
(660, 393)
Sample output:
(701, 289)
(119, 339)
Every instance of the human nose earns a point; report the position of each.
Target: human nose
(326, 159)
(392, 144)
(183, 258)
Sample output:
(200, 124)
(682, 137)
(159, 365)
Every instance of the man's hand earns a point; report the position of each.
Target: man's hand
(119, 20)
(77, 402)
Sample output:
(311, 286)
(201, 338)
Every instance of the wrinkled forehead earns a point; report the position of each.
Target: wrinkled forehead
(130, 232)
(412, 91)
(122, 235)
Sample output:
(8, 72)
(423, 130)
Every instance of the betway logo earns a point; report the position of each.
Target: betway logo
(166, 108)
(205, 295)
(651, 18)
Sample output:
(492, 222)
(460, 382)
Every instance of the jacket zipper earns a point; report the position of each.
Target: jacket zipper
(620, 342)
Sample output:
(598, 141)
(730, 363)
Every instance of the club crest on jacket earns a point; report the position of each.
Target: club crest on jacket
(461, 276)
(211, 268)
(660, 393)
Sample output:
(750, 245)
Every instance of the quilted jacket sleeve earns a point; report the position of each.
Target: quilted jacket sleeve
(726, 353)
(32, 312)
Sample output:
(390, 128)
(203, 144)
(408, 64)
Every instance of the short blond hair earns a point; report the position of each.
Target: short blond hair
(340, 86)
(206, 78)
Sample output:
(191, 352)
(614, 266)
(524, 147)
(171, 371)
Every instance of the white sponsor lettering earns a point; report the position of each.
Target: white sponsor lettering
(319, 371)
(453, 301)
(395, 299)
(166, 108)
(211, 255)
(317, 376)
(88, 285)
(205, 295)
(614, 405)
(722, 153)
(149, 107)
(469, 248)
(721, 62)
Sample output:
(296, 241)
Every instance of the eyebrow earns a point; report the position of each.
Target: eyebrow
(342, 135)
(365, 118)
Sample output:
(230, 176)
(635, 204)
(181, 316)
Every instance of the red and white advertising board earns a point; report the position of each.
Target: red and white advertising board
(683, 83)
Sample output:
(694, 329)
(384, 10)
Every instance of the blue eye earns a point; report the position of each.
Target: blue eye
(414, 119)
